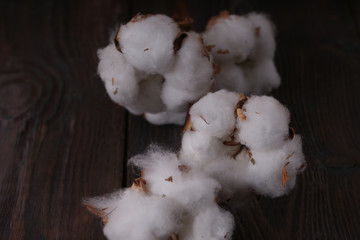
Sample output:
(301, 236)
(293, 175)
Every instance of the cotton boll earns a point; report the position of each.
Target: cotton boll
(265, 176)
(154, 68)
(264, 36)
(244, 49)
(118, 76)
(214, 113)
(233, 37)
(266, 124)
(212, 223)
(147, 42)
(131, 214)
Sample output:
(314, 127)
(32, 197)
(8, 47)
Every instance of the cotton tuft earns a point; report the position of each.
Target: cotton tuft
(243, 143)
(244, 48)
(170, 199)
(156, 69)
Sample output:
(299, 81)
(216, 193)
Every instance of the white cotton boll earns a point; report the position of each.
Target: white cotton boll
(233, 37)
(266, 125)
(264, 37)
(265, 176)
(147, 42)
(211, 223)
(118, 76)
(262, 77)
(131, 214)
(214, 113)
(166, 118)
(244, 49)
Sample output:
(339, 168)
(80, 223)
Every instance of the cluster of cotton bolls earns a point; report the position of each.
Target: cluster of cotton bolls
(169, 201)
(157, 69)
(244, 48)
(231, 143)
(243, 143)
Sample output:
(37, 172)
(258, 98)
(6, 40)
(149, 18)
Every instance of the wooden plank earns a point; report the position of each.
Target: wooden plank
(61, 137)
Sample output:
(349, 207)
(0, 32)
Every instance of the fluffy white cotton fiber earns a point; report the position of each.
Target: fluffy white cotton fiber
(244, 49)
(132, 214)
(147, 42)
(266, 125)
(170, 199)
(231, 143)
(243, 143)
(265, 176)
(156, 69)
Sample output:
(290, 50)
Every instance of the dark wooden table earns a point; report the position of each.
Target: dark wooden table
(61, 138)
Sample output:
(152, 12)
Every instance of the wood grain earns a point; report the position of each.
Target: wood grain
(62, 139)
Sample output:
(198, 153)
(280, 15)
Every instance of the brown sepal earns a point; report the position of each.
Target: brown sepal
(231, 142)
(238, 151)
(242, 101)
(285, 176)
(221, 51)
(209, 47)
(169, 179)
(117, 41)
(222, 15)
(188, 125)
(186, 24)
(291, 133)
(139, 17)
(240, 114)
(216, 68)
(98, 212)
(139, 183)
(178, 41)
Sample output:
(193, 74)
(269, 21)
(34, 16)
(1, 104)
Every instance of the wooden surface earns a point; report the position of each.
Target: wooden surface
(62, 139)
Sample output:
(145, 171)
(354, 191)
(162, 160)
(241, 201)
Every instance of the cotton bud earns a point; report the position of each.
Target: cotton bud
(156, 69)
(244, 48)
